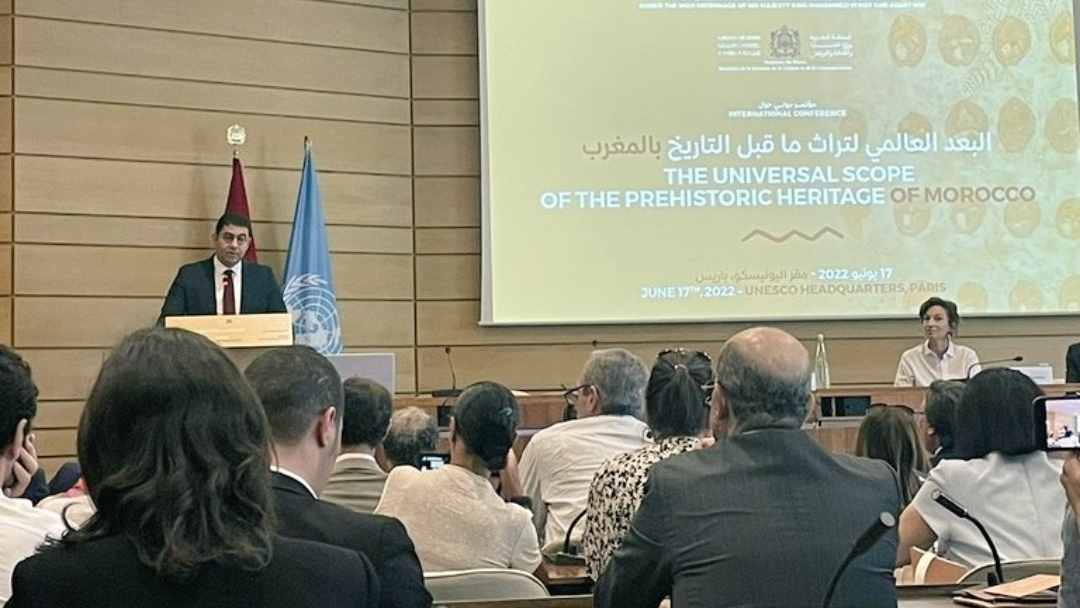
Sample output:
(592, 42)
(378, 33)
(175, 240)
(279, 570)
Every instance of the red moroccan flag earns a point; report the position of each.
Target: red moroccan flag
(238, 205)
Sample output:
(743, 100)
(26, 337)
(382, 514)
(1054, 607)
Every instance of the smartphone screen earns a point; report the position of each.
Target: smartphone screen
(433, 460)
(1059, 419)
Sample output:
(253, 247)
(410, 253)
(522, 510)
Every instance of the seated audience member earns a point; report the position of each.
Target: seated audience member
(1069, 591)
(938, 357)
(763, 517)
(22, 527)
(357, 480)
(889, 433)
(942, 398)
(301, 393)
(559, 463)
(412, 432)
(452, 513)
(1006, 481)
(676, 410)
(174, 450)
(1072, 363)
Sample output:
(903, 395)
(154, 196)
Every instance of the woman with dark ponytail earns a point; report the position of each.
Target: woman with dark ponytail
(452, 513)
(677, 411)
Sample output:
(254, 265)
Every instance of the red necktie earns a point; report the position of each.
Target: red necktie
(228, 299)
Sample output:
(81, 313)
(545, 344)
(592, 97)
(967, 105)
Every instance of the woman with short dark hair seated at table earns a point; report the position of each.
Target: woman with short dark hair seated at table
(452, 513)
(174, 447)
(1006, 482)
(677, 411)
(889, 433)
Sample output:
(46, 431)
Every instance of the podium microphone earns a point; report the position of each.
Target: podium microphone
(453, 391)
(1016, 359)
(870, 536)
(956, 509)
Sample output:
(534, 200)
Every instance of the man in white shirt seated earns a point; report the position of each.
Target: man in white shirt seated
(22, 527)
(357, 481)
(558, 465)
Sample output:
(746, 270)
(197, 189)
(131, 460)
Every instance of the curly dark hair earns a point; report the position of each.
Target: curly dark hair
(175, 451)
(486, 417)
(19, 394)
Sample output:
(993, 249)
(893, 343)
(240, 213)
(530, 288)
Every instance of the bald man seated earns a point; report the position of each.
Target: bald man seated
(765, 516)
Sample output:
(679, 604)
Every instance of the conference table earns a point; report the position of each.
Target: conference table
(916, 596)
(833, 420)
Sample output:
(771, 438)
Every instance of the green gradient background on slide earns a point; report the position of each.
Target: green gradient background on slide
(567, 76)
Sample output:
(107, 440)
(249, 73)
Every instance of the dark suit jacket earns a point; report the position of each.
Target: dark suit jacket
(192, 291)
(1072, 363)
(107, 573)
(761, 519)
(382, 539)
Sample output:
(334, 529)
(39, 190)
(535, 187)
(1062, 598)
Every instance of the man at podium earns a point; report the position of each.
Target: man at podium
(224, 284)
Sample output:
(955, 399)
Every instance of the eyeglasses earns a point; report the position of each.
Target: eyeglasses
(571, 395)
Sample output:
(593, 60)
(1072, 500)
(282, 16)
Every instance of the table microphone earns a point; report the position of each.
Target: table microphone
(453, 391)
(956, 509)
(568, 555)
(884, 522)
(1016, 359)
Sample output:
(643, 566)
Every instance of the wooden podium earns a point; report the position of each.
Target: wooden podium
(239, 331)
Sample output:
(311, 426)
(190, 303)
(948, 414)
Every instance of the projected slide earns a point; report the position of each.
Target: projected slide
(691, 160)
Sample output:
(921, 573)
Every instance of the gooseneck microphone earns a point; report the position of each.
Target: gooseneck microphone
(1016, 359)
(568, 555)
(869, 537)
(453, 391)
(956, 509)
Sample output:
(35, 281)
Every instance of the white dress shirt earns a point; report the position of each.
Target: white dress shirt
(458, 522)
(219, 283)
(291, 475)
(919, 366)
(22, 529)
(558, 465)
(1018, 498)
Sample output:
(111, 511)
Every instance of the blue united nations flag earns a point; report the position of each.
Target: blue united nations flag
(309, 283)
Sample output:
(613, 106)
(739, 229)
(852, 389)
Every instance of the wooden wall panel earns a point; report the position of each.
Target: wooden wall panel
(5, 269)
(58, 414)
(448, 240)
(5, 7)
(55, 442)
(444, 33)
(7, 29)
(5, 78)
(103, 271)
(6, 181)
(224, 97)
(5, 319)
(66, 128)
(64, 374)
(107, 187)
(448, 277)
(5, 228)
(447, 150)
(446, 112)
(56, 322)
(193, 234)
(443, 5)
(182, 56)
(445, 77)
(447, 201)
(359, 276)
(6, 113)
(324, 24)
(373, 324)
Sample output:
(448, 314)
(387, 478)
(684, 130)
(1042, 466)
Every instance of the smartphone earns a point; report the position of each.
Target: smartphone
(433, 460)
(1057, 419)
